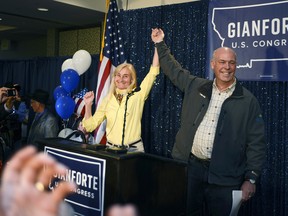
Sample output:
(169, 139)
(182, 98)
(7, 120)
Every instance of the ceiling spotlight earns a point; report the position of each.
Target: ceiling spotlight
(42, 9)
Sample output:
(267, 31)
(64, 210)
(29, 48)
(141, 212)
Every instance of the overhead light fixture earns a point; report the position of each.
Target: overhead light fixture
(42, 9)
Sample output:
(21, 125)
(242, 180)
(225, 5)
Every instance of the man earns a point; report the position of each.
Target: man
(6, 108)
(45, 123)
(6, 103)
(221, 135)
(11, 124)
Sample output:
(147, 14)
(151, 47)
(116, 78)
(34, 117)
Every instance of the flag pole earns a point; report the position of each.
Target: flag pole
(104, 28)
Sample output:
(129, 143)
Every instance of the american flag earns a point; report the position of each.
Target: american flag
(111, 56)
(79, 102)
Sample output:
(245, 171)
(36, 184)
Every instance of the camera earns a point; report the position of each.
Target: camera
(11, 92)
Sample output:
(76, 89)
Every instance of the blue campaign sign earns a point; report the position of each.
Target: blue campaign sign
(89, 175)
(258, 32)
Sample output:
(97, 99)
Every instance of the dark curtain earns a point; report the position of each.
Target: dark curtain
(185, 27)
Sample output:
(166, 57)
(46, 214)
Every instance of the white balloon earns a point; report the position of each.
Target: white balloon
(81, 61)
(67, 64)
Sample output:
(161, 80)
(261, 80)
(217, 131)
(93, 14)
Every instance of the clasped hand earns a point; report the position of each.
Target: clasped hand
(157, 35)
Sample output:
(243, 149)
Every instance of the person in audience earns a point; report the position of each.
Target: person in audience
(20, 106)
(8, 122)
(113, 107)
(12, 124)
(6, 103)
(24, 184)
(222, 134)
(44, 124)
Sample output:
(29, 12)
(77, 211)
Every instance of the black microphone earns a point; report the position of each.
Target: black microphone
(137, 89)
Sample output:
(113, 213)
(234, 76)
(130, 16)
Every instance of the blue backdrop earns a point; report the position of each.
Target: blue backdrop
(257, 31)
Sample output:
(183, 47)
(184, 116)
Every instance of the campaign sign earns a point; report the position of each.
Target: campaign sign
(89, 175)
(258, 32)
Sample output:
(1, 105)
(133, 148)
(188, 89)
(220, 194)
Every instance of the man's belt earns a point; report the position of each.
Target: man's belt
(205, 162)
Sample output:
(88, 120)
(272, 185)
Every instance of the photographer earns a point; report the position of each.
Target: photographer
(12, 112)
(6, 102)
(6, 108)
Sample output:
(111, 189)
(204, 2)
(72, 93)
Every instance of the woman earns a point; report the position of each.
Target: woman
(123, 89)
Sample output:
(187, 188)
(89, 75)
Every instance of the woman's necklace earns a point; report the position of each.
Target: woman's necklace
(119, 94)
(119, 97)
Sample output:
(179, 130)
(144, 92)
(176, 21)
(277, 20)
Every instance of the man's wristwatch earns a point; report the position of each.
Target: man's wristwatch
(251, 176)
(252, 181)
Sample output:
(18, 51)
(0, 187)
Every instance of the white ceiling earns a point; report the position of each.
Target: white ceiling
(20, 19)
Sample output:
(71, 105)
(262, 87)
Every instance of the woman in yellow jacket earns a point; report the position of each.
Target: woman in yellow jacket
(113, 106)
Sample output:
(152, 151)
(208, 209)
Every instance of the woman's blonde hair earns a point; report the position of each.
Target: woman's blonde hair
(132, 71)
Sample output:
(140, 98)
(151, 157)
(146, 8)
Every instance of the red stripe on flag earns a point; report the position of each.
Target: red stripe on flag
(79, 107)
(104, 77)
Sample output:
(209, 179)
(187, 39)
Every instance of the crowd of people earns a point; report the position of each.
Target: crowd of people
(24, 119)
(222, 136)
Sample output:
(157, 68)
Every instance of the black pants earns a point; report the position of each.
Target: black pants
(204, 198)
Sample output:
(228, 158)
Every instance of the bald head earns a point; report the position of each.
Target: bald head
(222, 50)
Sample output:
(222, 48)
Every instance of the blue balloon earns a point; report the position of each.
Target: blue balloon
(59, 91)
(69, 79)
(65, 107)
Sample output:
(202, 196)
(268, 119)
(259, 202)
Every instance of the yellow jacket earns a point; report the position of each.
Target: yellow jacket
(111, 110)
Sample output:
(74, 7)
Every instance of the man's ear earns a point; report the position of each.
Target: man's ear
(212, 64)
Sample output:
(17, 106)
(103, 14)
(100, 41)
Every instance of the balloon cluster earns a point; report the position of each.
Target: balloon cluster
(71, 70)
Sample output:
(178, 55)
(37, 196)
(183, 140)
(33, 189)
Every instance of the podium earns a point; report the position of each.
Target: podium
(156, 185)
